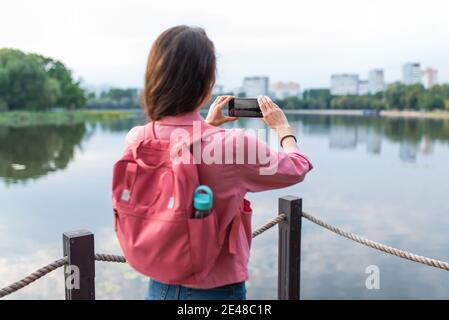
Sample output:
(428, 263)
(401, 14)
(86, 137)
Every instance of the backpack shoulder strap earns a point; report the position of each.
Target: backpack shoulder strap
(136, 135)
(149, 132)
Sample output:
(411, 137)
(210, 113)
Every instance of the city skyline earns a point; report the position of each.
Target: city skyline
(354, 84)
(255, 85)
(340, 83)
(107, 42)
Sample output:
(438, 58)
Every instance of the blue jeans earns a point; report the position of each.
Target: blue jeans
(161, 291)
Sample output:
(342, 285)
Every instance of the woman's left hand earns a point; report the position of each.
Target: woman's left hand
(215, 116)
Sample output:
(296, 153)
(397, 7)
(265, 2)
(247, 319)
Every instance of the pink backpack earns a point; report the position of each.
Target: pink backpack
(152, 201)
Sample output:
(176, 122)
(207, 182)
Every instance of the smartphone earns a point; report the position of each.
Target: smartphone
(244, 108)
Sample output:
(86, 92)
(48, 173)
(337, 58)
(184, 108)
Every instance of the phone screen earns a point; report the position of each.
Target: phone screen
(244, 108)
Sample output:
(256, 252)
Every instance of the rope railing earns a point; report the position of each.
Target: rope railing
(281, 217)
(98, 257)
(51, 267)
(378, 246)
(269, 225)
(39, 273)
(109, 258)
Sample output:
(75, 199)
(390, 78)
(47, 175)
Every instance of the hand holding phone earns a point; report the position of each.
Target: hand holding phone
(273, 116)
(215, 115)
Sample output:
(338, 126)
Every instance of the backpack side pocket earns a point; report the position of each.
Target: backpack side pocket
(204, 244)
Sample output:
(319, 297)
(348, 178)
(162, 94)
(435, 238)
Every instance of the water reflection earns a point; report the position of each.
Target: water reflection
(121, 126)
(28, 153)
(32, 152)
(359, 183)
(414, 136)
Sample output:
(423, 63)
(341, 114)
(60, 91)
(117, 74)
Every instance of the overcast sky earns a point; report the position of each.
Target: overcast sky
(107, 41)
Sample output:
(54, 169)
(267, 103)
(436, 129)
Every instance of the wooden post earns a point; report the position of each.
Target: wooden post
(289, 256)
(79, 273)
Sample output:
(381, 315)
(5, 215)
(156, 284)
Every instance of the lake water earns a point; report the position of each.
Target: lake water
(385, 179)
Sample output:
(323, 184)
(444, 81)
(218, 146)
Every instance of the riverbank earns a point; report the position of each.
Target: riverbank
(383, 113)
(416, 114)
(30, 118)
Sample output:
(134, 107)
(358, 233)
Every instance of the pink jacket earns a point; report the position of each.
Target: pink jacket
(230, 183)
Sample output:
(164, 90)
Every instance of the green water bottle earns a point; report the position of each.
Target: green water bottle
(202, 202)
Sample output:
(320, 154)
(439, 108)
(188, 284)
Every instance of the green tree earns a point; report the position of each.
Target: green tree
(394, 96)
(441, 90)
(317, 98)
(427, 101)
(72, 96)
(115, 98)
(412, 94)
(24, 84)
(291, 103)
(34, 82)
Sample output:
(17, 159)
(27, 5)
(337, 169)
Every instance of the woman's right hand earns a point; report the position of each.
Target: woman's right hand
(273, 116)
(215, 116)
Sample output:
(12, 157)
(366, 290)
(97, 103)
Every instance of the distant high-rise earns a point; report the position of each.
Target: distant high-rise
(429, 77)
(363, 87)
(217, 89)
(344, 84)
(255, 86)
(411, 73)
(281, 90)
(376, 81)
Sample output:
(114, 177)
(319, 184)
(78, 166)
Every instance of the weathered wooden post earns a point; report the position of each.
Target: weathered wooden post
(289, 256)
(79, 273)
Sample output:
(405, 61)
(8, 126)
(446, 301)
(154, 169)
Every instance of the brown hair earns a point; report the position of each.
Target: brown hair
(180, 72)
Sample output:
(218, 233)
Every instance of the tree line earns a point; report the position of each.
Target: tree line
(114, 98)
(397, 96)
(34, 82)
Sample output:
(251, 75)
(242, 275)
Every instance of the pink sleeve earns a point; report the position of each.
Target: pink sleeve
(271, 169)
